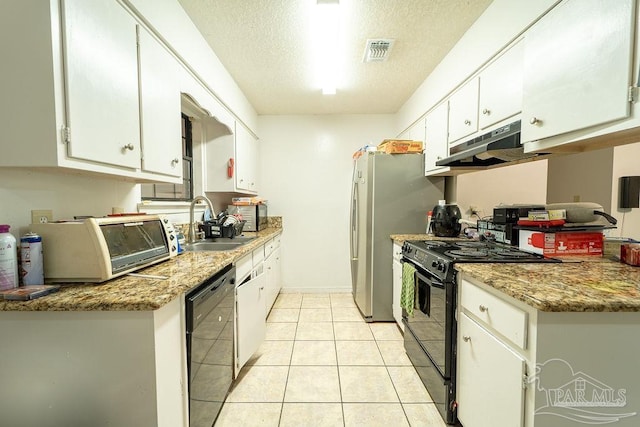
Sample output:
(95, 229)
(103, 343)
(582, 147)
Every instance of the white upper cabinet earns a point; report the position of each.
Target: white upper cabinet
(463, 111)
(101, 82)
(72, 91)
(231, 162)
(415, 132)
(159, 108)
(246, 161)
(577, 67)
(436, 147)
(501, 88)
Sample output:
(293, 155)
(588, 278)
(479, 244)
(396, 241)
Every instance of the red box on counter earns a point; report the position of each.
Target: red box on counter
(630, 253)
(562, 243)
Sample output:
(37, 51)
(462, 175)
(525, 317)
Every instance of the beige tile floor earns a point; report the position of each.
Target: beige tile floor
(322, 365)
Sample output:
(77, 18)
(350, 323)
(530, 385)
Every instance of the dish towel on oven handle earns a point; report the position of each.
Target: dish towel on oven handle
(408, 292)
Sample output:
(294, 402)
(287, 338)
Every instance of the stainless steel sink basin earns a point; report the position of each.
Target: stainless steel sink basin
(219, 244)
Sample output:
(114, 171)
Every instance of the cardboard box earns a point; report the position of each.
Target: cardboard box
(400, 146)
(570, 243)
(630, 253)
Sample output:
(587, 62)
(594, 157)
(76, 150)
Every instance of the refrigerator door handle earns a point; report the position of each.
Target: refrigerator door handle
(354, 221)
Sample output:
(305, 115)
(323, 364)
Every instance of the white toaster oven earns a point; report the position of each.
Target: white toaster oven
(99, 249)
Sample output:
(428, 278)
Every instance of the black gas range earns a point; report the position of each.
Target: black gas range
(431, 330)
(437, 256)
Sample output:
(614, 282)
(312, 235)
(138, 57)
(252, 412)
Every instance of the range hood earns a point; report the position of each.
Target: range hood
(501, 145)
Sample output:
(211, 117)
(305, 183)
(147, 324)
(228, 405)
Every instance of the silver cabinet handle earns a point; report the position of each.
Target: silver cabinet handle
(467, 122)
(174, 162)
(466, 338)
(483, 308)
(535, 121)
(129, 147)
(486, 111)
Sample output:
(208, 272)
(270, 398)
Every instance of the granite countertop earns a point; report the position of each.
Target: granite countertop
(580, 284)
(129, 293)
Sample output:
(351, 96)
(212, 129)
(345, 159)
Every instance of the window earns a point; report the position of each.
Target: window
(176, 192)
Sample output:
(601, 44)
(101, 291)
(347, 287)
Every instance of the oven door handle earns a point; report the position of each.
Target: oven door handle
(432, 281)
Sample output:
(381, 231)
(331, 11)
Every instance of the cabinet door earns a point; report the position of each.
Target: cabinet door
(250, 320)
(485, 363)
(272, 286)
(501, 88)
(246, 160)
(159, 108)
(397, 289)
(577, 67)
(463, 111)
(415, 132)
(101, 82)
(437, 128)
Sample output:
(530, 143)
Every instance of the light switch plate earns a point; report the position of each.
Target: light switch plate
(41, 216)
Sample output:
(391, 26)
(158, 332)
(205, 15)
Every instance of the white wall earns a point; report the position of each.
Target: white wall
(625, 163)
(306, 166)
(67, 194)
(582, 177)
(522, 183)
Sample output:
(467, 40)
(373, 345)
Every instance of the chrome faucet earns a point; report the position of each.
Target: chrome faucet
(192, 226)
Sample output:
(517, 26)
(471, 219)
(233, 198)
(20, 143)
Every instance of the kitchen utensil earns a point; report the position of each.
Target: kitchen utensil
(445, 220)
(583, 212)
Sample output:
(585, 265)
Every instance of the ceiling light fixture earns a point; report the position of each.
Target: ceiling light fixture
(326, 35)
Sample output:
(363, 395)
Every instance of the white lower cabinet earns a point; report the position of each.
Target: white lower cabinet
(397, 285)
(272, 272)
(518, 366)
(490, 379)
(250, 322)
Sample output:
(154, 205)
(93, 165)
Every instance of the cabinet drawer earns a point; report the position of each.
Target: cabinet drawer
(269, 247)
(497, 314)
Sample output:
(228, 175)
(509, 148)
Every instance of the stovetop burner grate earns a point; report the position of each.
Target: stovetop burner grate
(467, 253)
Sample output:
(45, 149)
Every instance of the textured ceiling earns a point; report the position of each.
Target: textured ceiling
(265, 46)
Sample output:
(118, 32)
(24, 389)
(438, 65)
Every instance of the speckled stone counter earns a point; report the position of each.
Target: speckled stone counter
(584, 284)
(128, 293)
(592, 285)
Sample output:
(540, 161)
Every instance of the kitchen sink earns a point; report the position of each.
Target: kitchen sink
(218, 244)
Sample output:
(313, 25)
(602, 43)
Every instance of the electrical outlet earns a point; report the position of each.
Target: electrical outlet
(576, 198)
(41, 216)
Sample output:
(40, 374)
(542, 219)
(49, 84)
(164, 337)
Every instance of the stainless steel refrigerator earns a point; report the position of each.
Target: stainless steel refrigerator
(390, 195)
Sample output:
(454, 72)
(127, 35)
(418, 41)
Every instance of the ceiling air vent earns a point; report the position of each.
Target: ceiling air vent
(377, 50)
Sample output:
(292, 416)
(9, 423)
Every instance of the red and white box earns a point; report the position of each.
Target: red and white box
(630, 253)
(569, 243)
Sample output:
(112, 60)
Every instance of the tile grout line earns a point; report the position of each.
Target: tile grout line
(335, 346)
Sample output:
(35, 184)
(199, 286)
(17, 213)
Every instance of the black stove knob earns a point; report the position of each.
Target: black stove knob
(434, 264)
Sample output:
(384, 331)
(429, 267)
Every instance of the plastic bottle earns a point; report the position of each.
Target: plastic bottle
(8, 259)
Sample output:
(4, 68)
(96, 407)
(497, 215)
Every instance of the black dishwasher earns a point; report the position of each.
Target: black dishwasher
(210, 323)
